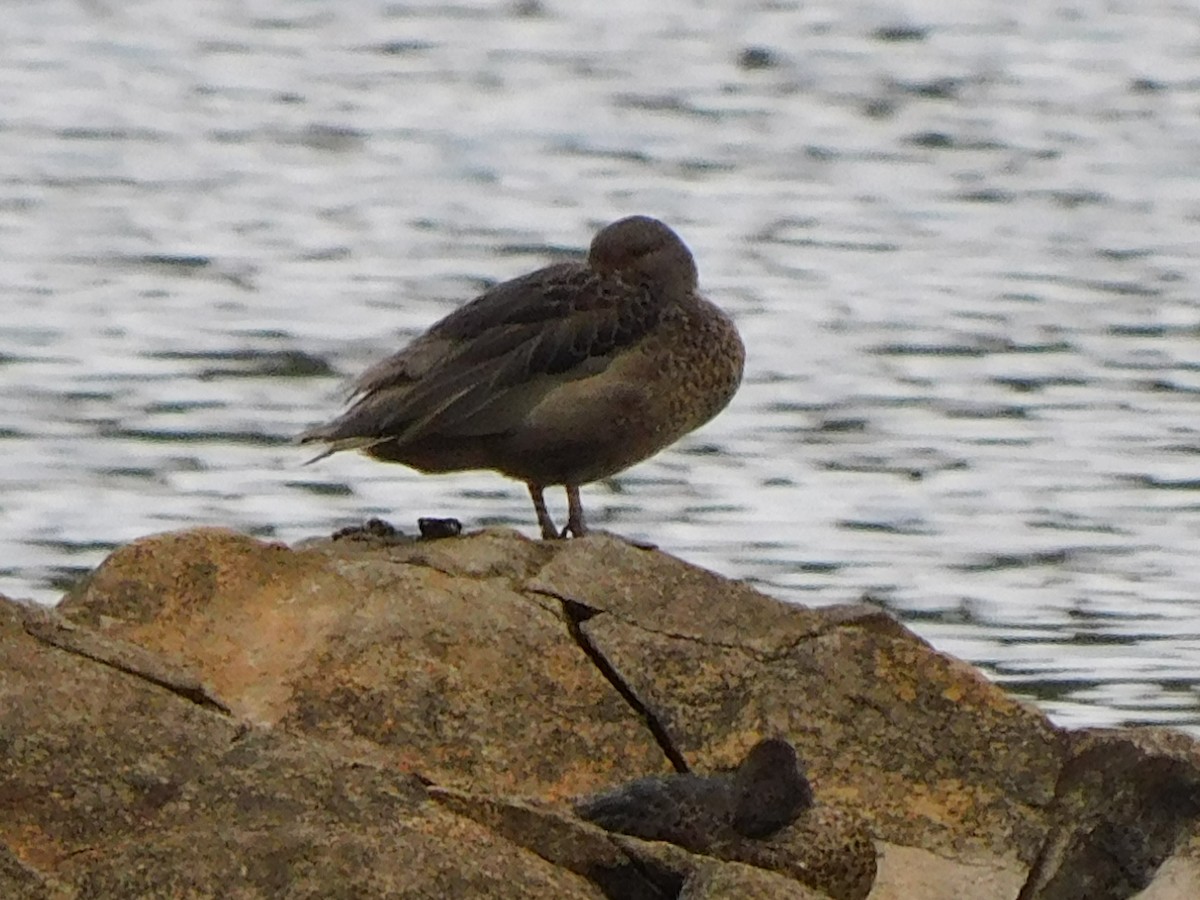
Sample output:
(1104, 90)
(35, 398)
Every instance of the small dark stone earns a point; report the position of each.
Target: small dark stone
(370, 530)
(767, 792)
(433, 529)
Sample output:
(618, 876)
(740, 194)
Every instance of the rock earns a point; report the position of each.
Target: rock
(17, 879)
(117, 786)
(422, 650)
(1125, 801)
(761, 813)
(210, 714)
(929, 751)
(732, 881)
(624, 867)
(828, 848)
(908, 873)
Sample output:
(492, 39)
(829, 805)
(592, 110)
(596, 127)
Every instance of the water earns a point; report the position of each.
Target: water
(959, 239)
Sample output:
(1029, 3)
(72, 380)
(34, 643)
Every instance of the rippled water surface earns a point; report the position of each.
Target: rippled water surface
(960, 240)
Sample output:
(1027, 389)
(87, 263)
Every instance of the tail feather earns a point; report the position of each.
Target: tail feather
(335, 445)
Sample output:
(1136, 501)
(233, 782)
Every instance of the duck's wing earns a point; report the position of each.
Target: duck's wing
(480, 369)
(530, 299)
(688, 810)
(645, 808)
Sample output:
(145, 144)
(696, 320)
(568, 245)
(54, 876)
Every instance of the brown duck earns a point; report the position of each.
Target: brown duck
(563, 376)
(765, 793)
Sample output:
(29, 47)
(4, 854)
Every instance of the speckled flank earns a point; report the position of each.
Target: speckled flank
(563, 376)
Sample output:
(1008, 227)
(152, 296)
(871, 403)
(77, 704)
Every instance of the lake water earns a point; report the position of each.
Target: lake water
(960, 240)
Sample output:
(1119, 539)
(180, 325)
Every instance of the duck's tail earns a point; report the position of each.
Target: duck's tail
(334, 445)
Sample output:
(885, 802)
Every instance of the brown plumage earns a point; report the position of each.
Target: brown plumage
(765, 793)
(563, 376)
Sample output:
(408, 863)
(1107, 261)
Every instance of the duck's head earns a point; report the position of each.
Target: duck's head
(644, 250)
(771, 788)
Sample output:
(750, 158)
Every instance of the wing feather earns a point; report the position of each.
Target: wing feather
(492, 360)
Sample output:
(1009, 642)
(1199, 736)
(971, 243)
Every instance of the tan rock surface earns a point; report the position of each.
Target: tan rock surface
(823, 851)
(733, 881)
(432, 655)
(115, 786)
(298, 701)
(1126, 801)
(919, 743)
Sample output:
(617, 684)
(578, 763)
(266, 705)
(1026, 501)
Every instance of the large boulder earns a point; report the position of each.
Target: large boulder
(117, 784)
(211, 712)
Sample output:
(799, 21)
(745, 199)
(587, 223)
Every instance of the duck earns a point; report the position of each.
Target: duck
(561, 377)
(765, 793)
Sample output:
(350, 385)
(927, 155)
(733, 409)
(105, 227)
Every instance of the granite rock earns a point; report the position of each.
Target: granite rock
(208, 714)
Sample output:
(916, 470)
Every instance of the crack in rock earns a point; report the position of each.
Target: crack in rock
(576, 614)
(122, 657)
(762, 656)
(590, 612)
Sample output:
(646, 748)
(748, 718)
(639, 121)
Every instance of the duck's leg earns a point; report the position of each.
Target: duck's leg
(549, 532)
(575, 524)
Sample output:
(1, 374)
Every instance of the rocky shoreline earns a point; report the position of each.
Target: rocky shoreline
(209, 714)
